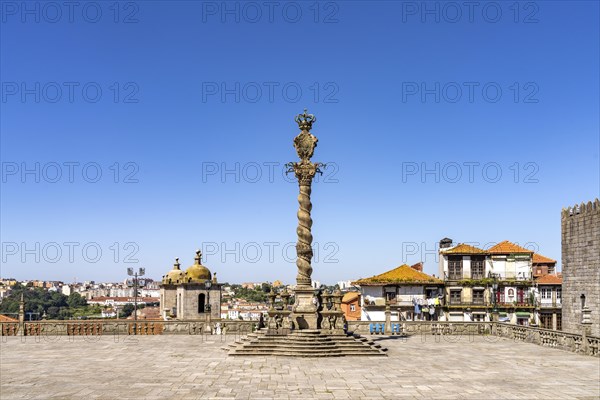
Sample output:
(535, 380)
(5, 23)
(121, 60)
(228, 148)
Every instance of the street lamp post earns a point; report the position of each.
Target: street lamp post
(495, 309)
(136, 275)
(207, 308)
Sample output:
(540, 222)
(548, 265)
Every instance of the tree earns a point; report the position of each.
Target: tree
(37, 301)
(75, 300)
(126, 311)
(52, 312)
(266, 287)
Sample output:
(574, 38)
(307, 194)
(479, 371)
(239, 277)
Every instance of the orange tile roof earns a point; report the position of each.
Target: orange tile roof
(550, 280)
(350, 296)
(401, 274)
(507, 247)
(4, 318)
(462, 248)
(540, 259)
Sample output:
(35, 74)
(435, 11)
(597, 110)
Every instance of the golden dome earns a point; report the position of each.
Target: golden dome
(175, 275)
(197, 273)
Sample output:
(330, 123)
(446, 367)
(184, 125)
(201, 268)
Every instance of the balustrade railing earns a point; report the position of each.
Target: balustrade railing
(468, 330)
(573, 342)
(124, 327)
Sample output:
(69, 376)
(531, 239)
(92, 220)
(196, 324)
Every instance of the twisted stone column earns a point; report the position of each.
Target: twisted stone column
(305, 171)
(304, 250)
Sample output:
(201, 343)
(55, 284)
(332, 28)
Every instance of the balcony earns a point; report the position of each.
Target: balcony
(549, 304)
(470, 303)
(515, 304)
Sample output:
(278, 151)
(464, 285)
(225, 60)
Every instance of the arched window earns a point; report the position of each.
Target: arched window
(178, 305)
(201, 301)
(511, 292)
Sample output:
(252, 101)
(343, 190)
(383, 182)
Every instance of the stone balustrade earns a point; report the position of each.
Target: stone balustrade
(544, 337)
(573, 342)
(124, 327)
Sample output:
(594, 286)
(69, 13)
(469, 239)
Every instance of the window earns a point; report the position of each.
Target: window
(477, 267)
(479, 317)
(455, 296)
(558, 293)
(455, 267)
(391, 296)
(352, 307)
(546, 293)
(520, 295)
(201, 300)
(500, 296)
(478, 296)
(559, 321)
(511, 292)
(546, 321)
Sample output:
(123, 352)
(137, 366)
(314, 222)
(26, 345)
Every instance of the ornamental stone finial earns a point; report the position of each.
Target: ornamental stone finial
(305, 120)
(198, 258)
(305, 142)
(176, 265)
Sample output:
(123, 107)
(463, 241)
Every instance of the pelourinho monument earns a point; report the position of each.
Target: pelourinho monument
(315, 326)
(305, 310)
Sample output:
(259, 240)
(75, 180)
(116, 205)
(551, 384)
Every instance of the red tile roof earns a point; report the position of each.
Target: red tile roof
(4, 318)
(350, 297)
(402, 274)
(462, 248)
(550, 280)
(507, 247)
(540, 259)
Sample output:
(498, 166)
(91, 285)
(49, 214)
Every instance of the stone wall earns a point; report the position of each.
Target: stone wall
(580, 236)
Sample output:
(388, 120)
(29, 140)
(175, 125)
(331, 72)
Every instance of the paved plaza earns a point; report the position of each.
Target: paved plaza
(194, 367)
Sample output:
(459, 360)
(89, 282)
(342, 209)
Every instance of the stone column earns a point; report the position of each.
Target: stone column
(388, 317)
(21, 330)
(306, 305)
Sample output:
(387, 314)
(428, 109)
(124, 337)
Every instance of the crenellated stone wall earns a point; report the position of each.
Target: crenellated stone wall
(580, 236)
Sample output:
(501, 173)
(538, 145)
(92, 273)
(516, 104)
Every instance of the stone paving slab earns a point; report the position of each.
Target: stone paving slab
(195, 367)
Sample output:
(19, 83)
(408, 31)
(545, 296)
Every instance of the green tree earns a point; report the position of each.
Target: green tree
(266, 287)
(64, 313)
(52, 312)
(75, 300)
(126, 311)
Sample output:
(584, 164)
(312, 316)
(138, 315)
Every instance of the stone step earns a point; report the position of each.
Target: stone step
(304, 354)
(291, 350)
(305, 344)
(302, 348)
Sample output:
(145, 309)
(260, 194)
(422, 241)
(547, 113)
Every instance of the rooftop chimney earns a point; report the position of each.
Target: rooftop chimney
(418, 266)
(445, 243)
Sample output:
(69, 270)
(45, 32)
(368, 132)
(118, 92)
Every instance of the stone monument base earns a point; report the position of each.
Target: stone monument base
(305, 311)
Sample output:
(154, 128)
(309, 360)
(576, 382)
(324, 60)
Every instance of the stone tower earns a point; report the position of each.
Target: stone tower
(193, 294)
(580, 236)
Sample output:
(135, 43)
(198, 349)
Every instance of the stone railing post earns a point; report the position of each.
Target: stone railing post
(586, 328)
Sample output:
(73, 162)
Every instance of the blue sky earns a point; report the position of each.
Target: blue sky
(162, 99)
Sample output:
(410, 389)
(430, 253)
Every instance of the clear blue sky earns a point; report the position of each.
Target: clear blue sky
(190, 88)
